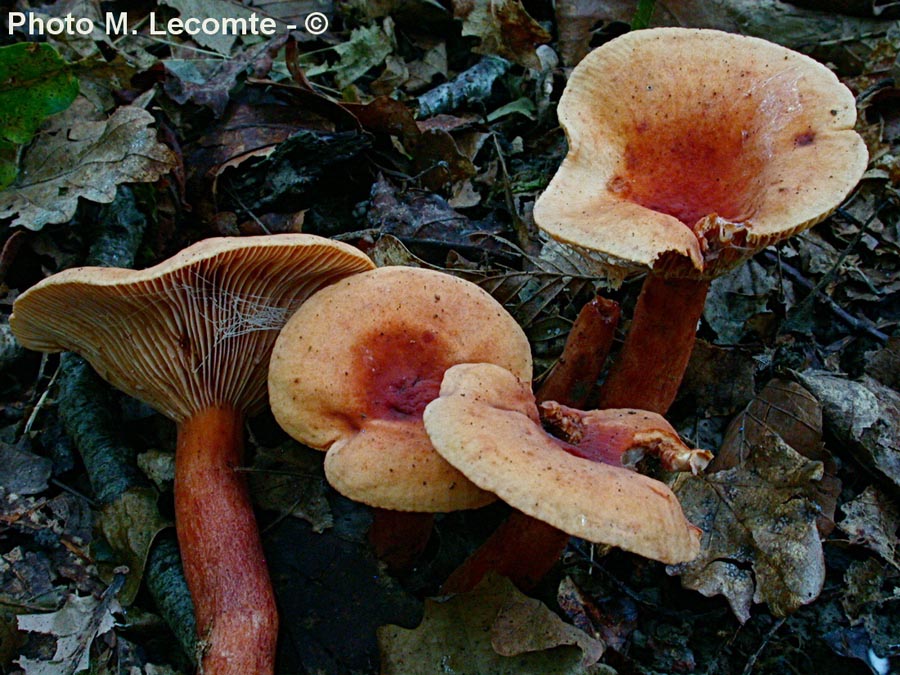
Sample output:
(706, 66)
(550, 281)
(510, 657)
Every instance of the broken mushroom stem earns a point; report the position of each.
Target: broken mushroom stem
(649, 368)
(574, 377)
(221, 550)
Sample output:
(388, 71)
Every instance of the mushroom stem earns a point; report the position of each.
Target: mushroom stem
(648, 369)
(575, 375)
(523, 549)
(398, 538)
(224, 565)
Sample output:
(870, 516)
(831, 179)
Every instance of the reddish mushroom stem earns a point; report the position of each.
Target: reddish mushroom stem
(398, 538)
(649, 368)
(525, 549)
(575, 375)
(237, 621)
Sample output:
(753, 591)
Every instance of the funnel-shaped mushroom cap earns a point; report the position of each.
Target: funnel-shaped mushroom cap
(353, 369)
(691, 149)
(486, 424)
(195, 330)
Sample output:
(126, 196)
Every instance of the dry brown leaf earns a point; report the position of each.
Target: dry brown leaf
(864, 416)
(790, 411)
(576, 19)
(527, 625)
(884, 364)
(456, 635)
(871, 520)
(75, 627)
(782, 407)
(78, 156)
(718, 380)
(129, 525)
(504, 28)
(760, 541)
(290, 480)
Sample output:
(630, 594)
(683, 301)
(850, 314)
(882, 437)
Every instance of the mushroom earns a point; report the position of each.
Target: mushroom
(191, 337)
(690, 150)
(486, 423)
(354, 368)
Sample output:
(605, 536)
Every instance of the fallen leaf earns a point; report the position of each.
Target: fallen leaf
(80, 157)
(504, 27)
(782, 407)
(365, 48)
(612, 618)
(871, 520)
(456, 637)
(23, 472)
(737, 297)
(863, 415)
(870, 601)
(35, 82)
(26, 579)
(576, 20)
(420, 218)
(884, 364)
(787, 409)
(760, 541)
(718, 380)
(75, 626)
(220, 41)
(290, 480)
(130, 524)
(209, 82)
(526, 625)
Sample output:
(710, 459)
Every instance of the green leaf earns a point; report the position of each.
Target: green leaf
(643, 14)
(9, 153)
(523, 106)
(35, 82)
(366, 48)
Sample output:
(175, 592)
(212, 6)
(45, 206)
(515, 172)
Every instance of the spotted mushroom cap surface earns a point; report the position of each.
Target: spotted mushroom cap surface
(486, 424)
(691, 149)
(353, 369)
(193, 331)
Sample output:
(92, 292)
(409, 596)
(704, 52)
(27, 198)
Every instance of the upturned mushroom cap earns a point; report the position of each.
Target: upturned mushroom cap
(486, 424)
(691, 149)
(193, 331)
(353, 369)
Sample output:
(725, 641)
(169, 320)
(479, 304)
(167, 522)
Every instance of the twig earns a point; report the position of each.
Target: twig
(40, 403)
(751, 662)
(862, 325)
(471, 86)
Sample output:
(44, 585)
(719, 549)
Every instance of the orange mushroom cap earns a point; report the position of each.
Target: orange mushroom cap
(191, 332)
(353, 369)
(691, 149)
(486, 424)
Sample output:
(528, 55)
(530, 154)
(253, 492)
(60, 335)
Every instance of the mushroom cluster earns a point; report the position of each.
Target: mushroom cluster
(689, 151)
(418, 386)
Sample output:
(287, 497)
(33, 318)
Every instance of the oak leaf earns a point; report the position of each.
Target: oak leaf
(88, 158)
